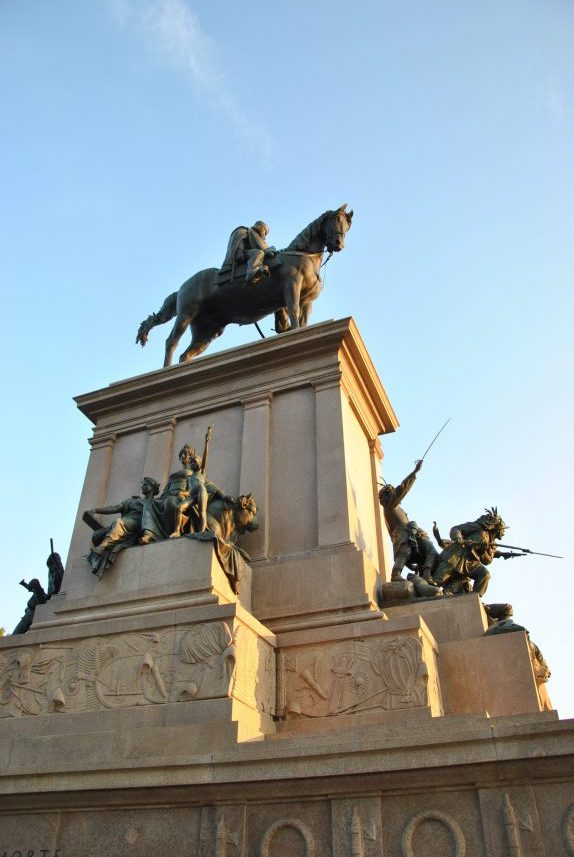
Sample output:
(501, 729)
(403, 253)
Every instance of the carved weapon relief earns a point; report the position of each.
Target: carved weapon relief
(221, 833)
(361, 833)
(124, 670)
(223, 838)
(568, 830)
(355, 676)
(357, 842)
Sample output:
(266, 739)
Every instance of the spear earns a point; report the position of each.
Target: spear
(208, 434)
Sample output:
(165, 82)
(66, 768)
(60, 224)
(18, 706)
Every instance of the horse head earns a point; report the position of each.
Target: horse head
(335, 226)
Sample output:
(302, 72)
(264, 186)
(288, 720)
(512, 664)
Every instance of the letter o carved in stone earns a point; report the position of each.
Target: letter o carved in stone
(432, 815)
(568, 830)
(266, 842)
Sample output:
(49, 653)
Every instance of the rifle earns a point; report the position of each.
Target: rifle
(527, 550)
(208, 434)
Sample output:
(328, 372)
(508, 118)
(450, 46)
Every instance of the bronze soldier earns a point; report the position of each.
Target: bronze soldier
(249, 245)
(411, 545)
(125, 531)
(472, 548)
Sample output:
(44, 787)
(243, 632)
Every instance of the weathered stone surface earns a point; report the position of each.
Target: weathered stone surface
(379, 790)
(146, 578)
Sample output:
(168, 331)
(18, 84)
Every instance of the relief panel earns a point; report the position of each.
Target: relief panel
(354, 676)
(124, 670)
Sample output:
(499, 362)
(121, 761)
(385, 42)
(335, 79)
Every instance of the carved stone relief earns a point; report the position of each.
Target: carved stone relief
(407, 841)
(511, 827)
(362, 832)
(302, 842)
(124, 670)
(224, 839)
(568, 830)
(221, 832)
(357, 839)
(355, 676)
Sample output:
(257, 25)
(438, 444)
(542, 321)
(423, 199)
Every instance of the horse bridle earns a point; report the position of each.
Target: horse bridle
(338, 233)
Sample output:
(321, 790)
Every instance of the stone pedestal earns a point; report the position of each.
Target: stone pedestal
(296, 421)
(155, 710)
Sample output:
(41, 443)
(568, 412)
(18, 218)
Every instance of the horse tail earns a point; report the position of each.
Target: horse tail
(168, 311)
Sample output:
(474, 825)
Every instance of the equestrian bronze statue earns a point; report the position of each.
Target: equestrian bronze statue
(214, 298)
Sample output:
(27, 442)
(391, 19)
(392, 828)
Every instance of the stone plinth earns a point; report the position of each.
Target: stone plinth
(459, 618)
(491, 675)
(84, 684)
(165, 575)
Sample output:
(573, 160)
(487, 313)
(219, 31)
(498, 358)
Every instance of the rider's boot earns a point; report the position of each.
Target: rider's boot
(255, 277)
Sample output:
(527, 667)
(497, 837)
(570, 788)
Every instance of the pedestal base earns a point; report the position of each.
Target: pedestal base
(155, 711)
(453, 786)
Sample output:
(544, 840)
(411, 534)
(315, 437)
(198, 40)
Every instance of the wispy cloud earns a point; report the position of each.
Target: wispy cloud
(174, 32)
(556, 104)
(550, 98)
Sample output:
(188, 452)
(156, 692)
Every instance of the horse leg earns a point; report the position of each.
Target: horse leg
(202, 334)
(281, 320)
(292, 293)
(304, 313)
(179, 328)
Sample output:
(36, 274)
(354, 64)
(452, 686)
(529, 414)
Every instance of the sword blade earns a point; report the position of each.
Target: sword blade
(434, 439)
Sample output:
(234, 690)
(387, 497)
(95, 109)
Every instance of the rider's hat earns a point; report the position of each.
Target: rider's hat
(260, 224)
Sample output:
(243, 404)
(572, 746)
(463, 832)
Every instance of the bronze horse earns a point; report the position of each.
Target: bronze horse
(208, 305)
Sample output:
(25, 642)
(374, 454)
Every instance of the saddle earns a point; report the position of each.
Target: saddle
(236, 273)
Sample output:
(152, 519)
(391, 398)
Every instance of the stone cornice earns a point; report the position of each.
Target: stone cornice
(462, 751)
(310, 356)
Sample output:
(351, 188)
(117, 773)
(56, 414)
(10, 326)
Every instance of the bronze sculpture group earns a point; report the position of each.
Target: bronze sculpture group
(459, 568)
(189, 505)
(461, 565)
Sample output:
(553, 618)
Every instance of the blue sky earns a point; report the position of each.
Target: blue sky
(135, 135)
